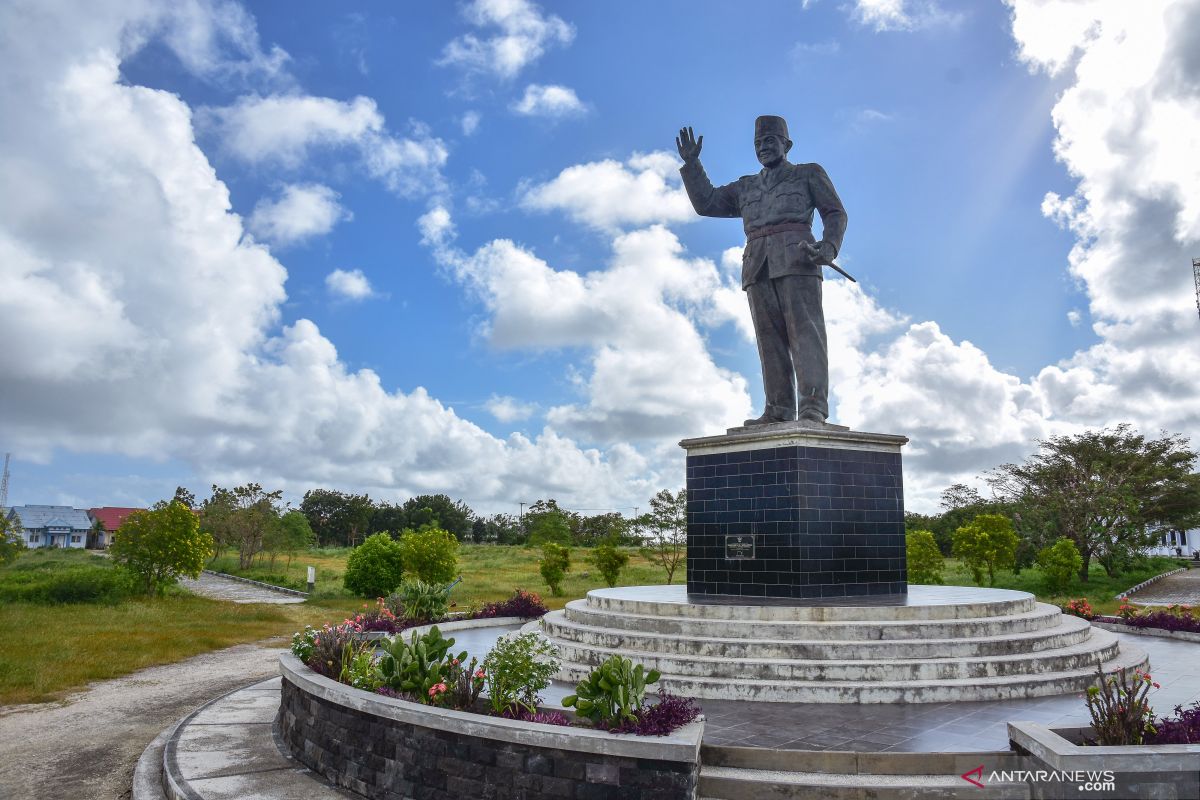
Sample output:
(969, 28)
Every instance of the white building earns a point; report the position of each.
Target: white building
(51, 526)
(1176, 543)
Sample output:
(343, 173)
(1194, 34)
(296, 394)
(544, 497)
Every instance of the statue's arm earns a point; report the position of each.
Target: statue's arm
(829, 206)
(709, 200)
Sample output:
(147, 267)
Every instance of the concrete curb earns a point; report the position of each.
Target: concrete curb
(148, 774)
(1061, 754)
(1118, 627)
(1125, 594)
(259, 584)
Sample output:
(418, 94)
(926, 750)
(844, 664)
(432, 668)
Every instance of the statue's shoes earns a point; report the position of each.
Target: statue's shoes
(765, 419)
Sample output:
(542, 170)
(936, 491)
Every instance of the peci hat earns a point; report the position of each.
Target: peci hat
(768, 124)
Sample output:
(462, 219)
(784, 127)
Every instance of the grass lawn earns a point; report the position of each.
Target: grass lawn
(490, 572)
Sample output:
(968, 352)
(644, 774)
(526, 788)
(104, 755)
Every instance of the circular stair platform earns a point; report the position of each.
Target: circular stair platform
(935, 644)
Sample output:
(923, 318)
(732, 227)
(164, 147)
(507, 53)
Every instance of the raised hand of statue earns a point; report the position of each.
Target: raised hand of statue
(689, 146)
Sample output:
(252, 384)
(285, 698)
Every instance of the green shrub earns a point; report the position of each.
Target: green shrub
(375, 567)
(986, 542)
(1060, 563)
(430, 554)
(418, 601)
(612, 692)
(924, 559)
(11, 543)
(610, 561)
(517, 669)
(554, 566)
(160, 545)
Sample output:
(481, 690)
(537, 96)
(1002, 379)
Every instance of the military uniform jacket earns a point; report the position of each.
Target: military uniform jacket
(787, 194)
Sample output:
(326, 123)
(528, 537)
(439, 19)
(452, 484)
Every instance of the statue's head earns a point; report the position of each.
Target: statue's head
(771, 142)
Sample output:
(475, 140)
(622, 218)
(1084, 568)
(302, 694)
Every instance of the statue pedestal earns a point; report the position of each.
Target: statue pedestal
(795, 512)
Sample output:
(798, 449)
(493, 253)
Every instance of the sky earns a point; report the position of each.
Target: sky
(419, 248)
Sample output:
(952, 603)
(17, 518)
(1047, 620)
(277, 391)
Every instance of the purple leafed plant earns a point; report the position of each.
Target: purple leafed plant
(669, 714)
(1165, 620)
(526, 605)
(544, 717)
(1183, 728)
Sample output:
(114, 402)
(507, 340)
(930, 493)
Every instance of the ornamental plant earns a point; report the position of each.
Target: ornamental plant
(1059, 563)
(1128, 610)
(517, 669)
(1119, 707)
(464, 682)
(613, 692)
(329, 647)
(418, 667)
(555, 564)
(360, 668)
(1183, 728)
(1164, 620)
(667, 715)
(375, 567)
(418, 602)
(1079, 608)
(526, 605)
(377, 618)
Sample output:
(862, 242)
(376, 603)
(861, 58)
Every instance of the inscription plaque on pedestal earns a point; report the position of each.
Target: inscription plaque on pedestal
(738, 547)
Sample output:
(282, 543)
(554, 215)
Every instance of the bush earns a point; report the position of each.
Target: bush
(612, 692)
(986, 542)
(1060, 563)
(417, 602)
(375, 567)
(430, 554)
(610, 561)
(526, 605)
(924, 559)
(555, 564)
(421, 667)
(516, 671)
(159, 545)
(1079, 608)
(1164, 620)
(1119, 707)
(1183, 728)
(669, 714)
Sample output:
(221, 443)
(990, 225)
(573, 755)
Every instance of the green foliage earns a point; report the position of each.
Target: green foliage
(360, 668)
(338, 518)
(517, 669)
(1112, 492)
(418, 601)
(245, 517)
(375, 567)
(609, 561)
(1120, 708)
(429, 554)
(290, 536)
(546, 527)
(302, 643)
(57, 575)
(439, 511)
(986, 543)
(160, 545)
(11, 543)
(612, 692)
(554, 565)
(1059, 564)
(666, 526)
(924, 559)
(419, 665)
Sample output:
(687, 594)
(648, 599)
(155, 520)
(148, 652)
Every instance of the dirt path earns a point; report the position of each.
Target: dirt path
(87, 745)
(218, 588)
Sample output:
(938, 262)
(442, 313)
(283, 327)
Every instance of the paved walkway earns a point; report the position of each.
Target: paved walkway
(1182, 588)
(219, 588)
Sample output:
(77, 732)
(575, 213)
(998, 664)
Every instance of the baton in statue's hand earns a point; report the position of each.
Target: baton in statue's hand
(814, 253)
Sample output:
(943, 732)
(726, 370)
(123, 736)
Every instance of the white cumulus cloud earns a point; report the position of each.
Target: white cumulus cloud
(302, 211)
(549, 101)
(518, 34)
(902, 15)
(349, 284)
(509, 409)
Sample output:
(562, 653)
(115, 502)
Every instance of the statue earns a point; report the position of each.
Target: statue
(781, 265)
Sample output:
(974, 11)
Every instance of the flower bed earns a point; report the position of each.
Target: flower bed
(385, 747)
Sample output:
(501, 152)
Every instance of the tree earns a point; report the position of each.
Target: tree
(1112, 492)
(388, 517)
(498, 529)
(1059, 563)
(245, 517)
(338, 519)
(291, 535)
(439, 510)
(160, 545)
(429, 554)
(184, 496)
(609, 527)
(924, 559)
(666, 523)
(549, 525)
(374, 568)
(986, 542)
(609, 561)
(11, 543)
(554, 565)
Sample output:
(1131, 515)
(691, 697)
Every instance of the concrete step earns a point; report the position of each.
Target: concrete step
(1099, 646)
(731, 783)
(1068, 631)
(1041, 616)
(1004, 687)
(672, 601)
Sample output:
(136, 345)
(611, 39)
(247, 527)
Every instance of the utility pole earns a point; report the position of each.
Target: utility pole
(522, 514)
(1195, 274)
(4, 481)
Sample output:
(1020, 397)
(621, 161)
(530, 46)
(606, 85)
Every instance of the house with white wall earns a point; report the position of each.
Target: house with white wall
(51, 526)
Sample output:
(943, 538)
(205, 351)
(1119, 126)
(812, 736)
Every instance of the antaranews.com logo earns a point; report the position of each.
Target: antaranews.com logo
(1083, 780)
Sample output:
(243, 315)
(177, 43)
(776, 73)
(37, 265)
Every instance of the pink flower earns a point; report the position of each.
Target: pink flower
(454, 662)
(437, 689)
(479, 673)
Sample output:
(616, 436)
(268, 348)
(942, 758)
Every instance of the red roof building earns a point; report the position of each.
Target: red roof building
(107, 519)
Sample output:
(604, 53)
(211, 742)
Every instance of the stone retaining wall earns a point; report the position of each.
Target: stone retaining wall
(389, 749)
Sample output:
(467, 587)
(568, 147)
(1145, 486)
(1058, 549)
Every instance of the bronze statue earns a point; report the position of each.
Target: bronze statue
(781, 265)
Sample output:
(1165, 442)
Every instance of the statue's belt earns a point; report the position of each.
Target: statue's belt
(783, 227)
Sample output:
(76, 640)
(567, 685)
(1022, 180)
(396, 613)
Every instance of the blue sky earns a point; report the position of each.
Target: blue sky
(443, 247)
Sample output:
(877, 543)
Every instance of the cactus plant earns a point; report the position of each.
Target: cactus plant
(612, 692)
(418, 665)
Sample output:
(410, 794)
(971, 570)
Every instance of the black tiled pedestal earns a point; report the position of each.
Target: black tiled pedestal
(793, 513)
